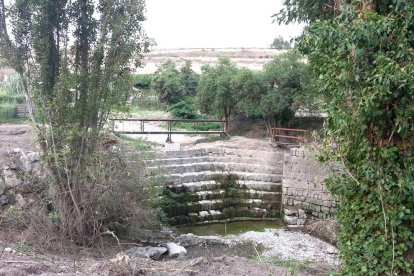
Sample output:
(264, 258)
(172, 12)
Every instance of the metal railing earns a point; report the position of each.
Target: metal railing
(169, 131)
(288, 134)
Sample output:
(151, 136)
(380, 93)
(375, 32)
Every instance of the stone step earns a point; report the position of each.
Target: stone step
(212, 185)
(226, 214)
(176, 179)
(214, 166)
(223, 195)
(211, 158)
(268, 155)
(207, 205)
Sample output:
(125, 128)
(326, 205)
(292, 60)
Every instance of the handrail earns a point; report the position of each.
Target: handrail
(169, 130)
(301, 134)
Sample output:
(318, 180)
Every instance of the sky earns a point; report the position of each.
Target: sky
(215, 23)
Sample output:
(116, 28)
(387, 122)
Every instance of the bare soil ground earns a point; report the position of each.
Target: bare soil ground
(243, 57)
(15, 136)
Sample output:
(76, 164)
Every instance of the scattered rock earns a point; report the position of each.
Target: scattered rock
(34, 156)
(15, 151)
(3, 200)
(302, 214)
(301, 221)
(8, 250)
(290, 220)
(331, 250)
(24, 163)
(191, 240)
(154, 253)
(175, 250)
(20, 201)
(289, 212)
(10, 179)
(2, 186)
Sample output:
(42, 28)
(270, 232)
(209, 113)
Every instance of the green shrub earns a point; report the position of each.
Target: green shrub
(7, 111)
(200, 126)
(184, 109)
(142, 81)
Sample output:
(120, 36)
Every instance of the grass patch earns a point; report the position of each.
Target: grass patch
(293, 266)
(212, 139)
(139, 144)
(200, 126)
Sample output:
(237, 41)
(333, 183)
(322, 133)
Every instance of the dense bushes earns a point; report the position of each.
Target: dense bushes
(362, 52)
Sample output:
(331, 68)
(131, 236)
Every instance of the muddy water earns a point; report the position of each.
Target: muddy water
(229, 228)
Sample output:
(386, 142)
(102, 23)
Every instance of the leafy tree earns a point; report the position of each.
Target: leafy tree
(215, 93)
(166, 83)
(188, 80)
(173, 85)
(285, 79)
(249, 87)
(75, 59)
(362, 53)
(280, 44)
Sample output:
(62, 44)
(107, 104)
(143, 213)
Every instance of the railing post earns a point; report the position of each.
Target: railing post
(169, 128)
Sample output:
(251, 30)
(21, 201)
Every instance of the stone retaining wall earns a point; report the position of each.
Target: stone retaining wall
(303, 185)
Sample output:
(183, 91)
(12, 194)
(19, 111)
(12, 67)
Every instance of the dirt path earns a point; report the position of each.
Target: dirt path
(15, 136)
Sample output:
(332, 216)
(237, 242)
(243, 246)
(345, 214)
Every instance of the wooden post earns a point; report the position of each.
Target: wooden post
(169, 128)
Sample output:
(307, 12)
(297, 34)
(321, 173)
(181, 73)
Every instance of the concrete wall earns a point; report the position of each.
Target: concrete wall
(303, 185)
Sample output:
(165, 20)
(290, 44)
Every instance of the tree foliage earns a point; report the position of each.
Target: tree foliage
(280, 44)
(277, 92)
(173, 85)
(215, 92)
(75, 59)
(364, 60)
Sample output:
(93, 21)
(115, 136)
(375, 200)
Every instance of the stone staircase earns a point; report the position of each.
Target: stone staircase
(215, 185)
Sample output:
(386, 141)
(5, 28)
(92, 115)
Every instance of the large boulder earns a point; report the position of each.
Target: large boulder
(175, 250)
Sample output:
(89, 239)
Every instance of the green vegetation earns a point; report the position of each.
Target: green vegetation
(80, 56)
(362, 53)
(277, 92)
(11, 94)
(280, 44)
(215, 93)
(293, 266)
(185, 109)
(200, 126)
(139, 144)
(172, 85)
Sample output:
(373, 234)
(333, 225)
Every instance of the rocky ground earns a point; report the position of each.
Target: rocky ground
(272, 252)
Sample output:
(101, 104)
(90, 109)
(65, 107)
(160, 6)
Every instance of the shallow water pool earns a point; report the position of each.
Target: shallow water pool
(229, 228)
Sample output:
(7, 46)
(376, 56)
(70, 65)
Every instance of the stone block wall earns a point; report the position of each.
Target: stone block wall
(216, 185)
(303, 185)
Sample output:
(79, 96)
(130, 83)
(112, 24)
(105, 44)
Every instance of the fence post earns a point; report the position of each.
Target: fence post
(169, 140)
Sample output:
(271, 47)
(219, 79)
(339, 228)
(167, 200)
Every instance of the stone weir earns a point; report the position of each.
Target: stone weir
(217, 185)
